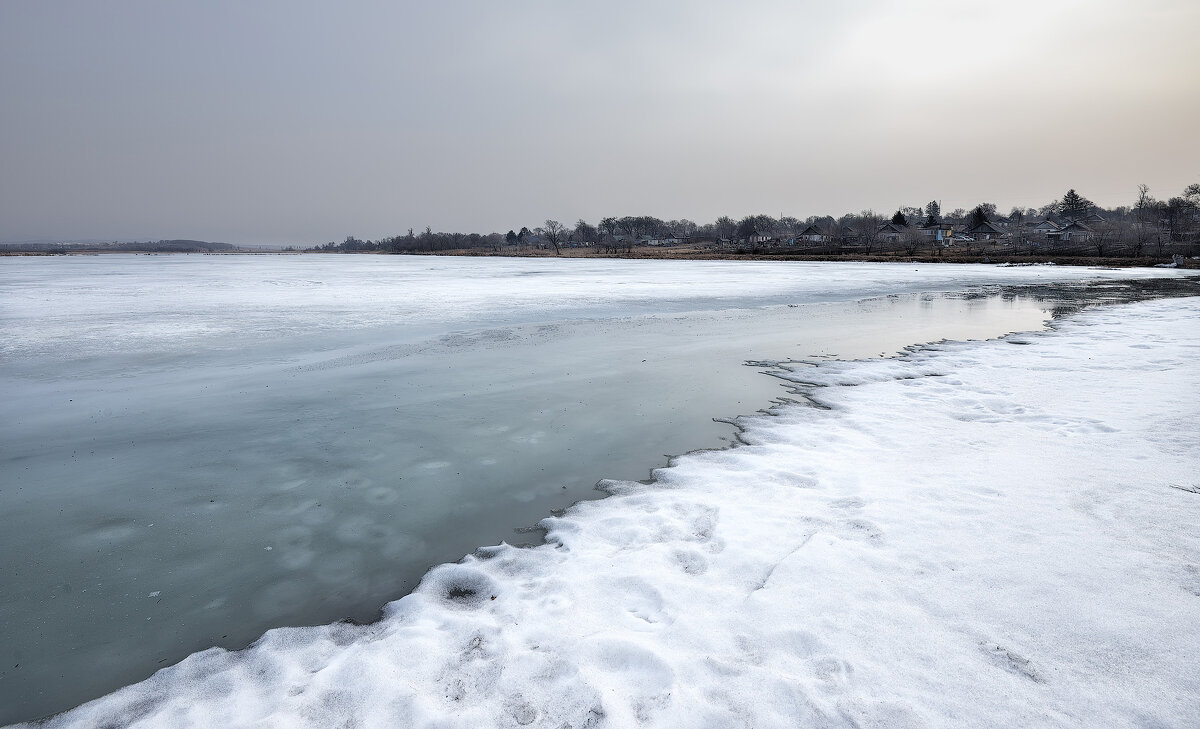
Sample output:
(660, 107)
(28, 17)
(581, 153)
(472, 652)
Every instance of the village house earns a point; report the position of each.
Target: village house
(891, 232)
(1046, 227)
(985, 231)
(847, 235)
(940, 232)
(666, 239)
(812, 234)
(757, 236)
(1074, 232)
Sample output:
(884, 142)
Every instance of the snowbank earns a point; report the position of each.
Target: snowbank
(980, 534)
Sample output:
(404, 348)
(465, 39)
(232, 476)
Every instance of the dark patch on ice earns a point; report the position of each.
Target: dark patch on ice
(1191, 579)
(460, 586)
(690, 562)
(461, 594)
(1012, 662)
(594, 716)
(520, 710)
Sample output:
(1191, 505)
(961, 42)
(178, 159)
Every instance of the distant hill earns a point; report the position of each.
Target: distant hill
(159, 246)
(180, 246)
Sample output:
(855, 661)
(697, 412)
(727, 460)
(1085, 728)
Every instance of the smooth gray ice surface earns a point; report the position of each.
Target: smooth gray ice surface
(197, 448)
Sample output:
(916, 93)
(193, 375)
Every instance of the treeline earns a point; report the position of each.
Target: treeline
(1070, 225)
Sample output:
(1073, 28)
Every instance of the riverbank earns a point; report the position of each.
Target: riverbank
(708, 252)
(700, 253)
(690, 253)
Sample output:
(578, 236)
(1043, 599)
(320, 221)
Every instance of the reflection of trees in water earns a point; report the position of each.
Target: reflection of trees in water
(1069, 298)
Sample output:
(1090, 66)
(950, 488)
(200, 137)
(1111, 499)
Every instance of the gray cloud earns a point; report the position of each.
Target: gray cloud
(303, 121)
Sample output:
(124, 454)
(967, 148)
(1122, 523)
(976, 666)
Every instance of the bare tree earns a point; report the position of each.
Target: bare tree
(868, 228)
(1103, 236)
(682, 227)
(608, 234)
(1145, 221)
(554, 232)
(1178, 214)
(725, 227)
(912, 239)
(585, 232)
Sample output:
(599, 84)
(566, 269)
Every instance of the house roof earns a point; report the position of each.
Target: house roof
(984, 227)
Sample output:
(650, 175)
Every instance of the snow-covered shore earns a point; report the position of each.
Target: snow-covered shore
(978, 534)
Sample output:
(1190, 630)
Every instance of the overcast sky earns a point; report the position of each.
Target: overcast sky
(288, 121)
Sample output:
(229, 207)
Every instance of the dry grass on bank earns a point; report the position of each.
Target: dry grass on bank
(710, 253)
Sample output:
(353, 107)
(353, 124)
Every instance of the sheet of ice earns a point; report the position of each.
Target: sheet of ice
(987, 534)
(104, 305)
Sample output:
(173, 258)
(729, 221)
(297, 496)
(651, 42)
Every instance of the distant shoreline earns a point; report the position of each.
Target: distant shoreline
(687, 254)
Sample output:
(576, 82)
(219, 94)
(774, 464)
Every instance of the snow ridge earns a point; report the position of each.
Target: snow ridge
(973, 535)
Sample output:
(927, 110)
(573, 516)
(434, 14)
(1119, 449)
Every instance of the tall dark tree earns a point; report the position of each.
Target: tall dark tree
(899, 219)
(978, 216)
(523, 235)
(511, 238)
(933, 213)
(1074, 206)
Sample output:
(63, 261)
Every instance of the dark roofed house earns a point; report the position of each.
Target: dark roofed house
(812, 234)
(847, 235)
(757, 236)
(1046, 227)
(984, 231)
(891, 232)
(667, 239)
(1073, 232)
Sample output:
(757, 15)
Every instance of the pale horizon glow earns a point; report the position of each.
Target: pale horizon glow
(303, 122)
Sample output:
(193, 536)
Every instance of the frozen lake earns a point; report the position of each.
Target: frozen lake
(198, 448)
